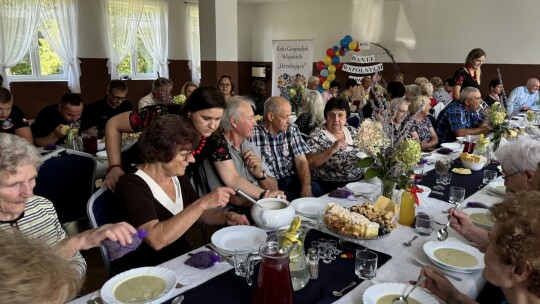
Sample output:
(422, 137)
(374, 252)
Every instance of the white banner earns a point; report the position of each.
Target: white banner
(363, 59)
(292, 61)
(362, 69)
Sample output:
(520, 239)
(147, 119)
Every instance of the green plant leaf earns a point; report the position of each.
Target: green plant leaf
(371, 173)
(366, 162)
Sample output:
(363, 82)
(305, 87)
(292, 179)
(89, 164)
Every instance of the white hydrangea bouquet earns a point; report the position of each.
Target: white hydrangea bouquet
(496, 115)
(179, 99)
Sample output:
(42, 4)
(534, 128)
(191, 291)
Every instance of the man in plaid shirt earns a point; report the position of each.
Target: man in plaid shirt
(460, 117)
(284, 150)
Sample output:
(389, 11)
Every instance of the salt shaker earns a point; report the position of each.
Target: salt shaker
(313, 263)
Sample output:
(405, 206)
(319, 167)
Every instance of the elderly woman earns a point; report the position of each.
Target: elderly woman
(161, 93)
(511, 254)
(188, 88)
(469, 75)
(495, 89)
(35, 216)
(426, 89)
(519, 163)
(332, 148)
(422, 130)
(411, 91)
(399, 108)
(157, 196)
(226, 87)
(312, 112)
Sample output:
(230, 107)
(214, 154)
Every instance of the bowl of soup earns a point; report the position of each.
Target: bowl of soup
(272, 213)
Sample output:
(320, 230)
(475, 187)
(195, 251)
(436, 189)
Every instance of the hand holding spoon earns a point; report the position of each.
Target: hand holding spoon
(442, 234)
(403, 299)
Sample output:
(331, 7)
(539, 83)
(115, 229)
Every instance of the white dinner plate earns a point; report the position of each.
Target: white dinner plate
(309, 206)
(107, 291)
(497, 187)
(431, 246)
(242, 239)
(377, 291)
(365, 188)
(102, 154)
(481, 212)
(452, 146)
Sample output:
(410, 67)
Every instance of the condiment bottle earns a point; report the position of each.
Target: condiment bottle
(408, 198)
(313, 263)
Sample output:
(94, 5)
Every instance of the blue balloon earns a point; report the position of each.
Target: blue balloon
(335, 60)
(324, 73)
(348, 38)
(343, 43)
(320, 89)
(335, 48)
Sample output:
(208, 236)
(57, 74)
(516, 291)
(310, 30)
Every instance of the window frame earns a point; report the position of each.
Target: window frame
(133, 65)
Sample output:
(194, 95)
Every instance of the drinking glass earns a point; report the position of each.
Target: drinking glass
(320, 219)
(441, 180)
(239, 264)
(441, 168)
(457, 195)
(423, 224)
(489, 176)
(365, 265)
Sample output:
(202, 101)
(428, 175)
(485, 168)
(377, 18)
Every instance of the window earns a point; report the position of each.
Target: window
(138, 63)
(194, 50)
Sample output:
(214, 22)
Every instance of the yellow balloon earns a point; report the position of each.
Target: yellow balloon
(326, 85)
(327, 60)
(352, 45)
(331, 69)
(331, 77)
(338, 53)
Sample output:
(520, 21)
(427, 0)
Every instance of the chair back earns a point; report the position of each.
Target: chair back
(67, 179)
(100, 211)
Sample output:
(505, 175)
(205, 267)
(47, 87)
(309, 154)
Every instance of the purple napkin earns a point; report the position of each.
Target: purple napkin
(203, 259)
(340, 193)
(476, 205)
(117, 251)
(444, 151)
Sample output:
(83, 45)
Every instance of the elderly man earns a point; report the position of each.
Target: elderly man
(282, 146)
(100, 111)
(245, 167)
(525, 97)
(34, 216)
(12, 118)
(47, 128)
(460, 117)
(161, 93)
(313, 83)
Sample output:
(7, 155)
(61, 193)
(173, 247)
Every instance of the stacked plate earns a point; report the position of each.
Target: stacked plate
(480, 217)
(363, 188)
(309, 206)
(497, 188)
(454, 256)
(454, 146)
(239, 239)
(390, 291)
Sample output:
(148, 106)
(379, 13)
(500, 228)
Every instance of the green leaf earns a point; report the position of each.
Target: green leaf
(366, 162)
(371, 173)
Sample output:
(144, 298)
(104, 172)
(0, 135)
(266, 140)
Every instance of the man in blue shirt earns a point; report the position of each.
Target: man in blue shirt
(525, 97)
(460, 117)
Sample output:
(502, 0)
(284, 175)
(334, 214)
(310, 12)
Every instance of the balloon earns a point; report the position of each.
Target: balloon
(331, 77)
(347, 49)
(335, 59)
(330, 52)
(321, 79)
(338, 53)
(331, 69)
(335, 48)
(327, 60)
(357, 49)
(320, 65)
(343, 43)
(342, 51)
(352, 45)
(339, 66)
(326, 85)
(348, 38)
(320, 89)
(324, 72)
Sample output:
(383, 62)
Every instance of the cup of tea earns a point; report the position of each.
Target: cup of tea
(89, 138)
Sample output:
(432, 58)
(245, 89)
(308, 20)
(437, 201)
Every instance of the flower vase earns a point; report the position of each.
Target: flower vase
(496, 140)
(387, 187)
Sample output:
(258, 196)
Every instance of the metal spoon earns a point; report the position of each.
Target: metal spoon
(403, 299)
(442, 234)
(409, 243)
(244, 195)
(178, 299)
(340, 293)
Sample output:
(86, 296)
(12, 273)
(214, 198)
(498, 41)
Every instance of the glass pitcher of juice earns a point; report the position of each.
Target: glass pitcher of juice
(406, 209)
(298, 264)
(273, 284)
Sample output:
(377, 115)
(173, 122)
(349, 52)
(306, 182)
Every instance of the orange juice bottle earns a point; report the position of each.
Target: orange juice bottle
(406, 209)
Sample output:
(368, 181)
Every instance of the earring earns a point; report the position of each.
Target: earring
(189, 116)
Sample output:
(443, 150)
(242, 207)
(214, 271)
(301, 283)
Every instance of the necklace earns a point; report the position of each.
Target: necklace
(200, 147)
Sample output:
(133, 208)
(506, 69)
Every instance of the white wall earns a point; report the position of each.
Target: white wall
(420, 31)
(244, 31)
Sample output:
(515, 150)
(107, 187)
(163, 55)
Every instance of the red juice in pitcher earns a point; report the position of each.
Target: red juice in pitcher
(274, 284)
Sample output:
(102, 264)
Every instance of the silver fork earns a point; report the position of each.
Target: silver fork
(417, 263)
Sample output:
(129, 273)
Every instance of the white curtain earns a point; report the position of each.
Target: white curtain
(18, 22)
(154, 30)
(122, 21)
(58, 24)
(194, 51)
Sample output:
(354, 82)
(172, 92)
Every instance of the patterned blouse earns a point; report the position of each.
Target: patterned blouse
(343, 165)
(422, 129)
(463, 79)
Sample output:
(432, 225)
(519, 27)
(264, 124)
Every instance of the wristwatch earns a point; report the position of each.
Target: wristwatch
(263, 176)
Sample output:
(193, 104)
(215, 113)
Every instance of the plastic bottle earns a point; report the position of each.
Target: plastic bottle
(406, 209)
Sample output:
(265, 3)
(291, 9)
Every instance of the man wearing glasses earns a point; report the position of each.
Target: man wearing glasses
(460, 117)
(100, 111)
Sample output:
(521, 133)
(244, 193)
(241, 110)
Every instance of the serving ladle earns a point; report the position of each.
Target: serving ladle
(442, 234)
(244, 195)
(403, 299)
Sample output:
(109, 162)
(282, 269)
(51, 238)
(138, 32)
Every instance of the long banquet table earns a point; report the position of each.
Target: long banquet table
(398, 269)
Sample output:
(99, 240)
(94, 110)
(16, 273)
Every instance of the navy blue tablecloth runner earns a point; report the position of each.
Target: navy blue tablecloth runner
(229, 288)
(469, 182)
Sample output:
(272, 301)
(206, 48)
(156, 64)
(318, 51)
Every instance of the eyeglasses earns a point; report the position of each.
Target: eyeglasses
(119, 98)
(507, 176)
(186, 155)
(225, 85)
